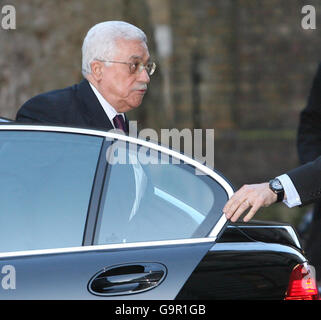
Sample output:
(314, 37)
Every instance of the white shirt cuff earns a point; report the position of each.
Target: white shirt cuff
(292, 197)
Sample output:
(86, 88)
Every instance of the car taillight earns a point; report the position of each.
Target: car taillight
(302, 285)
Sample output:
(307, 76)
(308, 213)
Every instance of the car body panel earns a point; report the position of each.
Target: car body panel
(66, 273)
(243, 271)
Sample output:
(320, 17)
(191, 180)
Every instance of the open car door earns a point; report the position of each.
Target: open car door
(102, 216)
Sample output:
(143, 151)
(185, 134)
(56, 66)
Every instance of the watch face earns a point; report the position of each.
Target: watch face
(276, 185)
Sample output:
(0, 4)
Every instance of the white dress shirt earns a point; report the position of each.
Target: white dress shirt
(292, 197)
(108, 108)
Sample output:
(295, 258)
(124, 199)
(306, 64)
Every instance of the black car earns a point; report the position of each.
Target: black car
(88, 214)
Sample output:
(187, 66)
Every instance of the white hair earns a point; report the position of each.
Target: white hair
(100, 41)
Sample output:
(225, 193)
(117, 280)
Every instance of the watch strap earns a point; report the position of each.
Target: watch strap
(280, 196)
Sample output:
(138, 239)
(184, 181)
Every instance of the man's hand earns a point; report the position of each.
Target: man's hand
(252, 196)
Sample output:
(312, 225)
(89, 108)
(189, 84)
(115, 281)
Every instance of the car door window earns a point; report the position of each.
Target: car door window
(45, 181)
(156, 197)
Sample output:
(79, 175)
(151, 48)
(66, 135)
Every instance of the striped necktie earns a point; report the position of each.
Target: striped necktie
(120, 123)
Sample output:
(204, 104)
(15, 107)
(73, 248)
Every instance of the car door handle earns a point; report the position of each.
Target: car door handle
(127, 279)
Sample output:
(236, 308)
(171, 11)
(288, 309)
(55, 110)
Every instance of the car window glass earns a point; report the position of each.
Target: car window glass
(151, 198)
(45, 182)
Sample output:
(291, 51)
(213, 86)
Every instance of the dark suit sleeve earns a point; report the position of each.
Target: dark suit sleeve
(309, 131)
(307, 181)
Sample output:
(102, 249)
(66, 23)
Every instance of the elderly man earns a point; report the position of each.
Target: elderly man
(300, 186)
(116, 67)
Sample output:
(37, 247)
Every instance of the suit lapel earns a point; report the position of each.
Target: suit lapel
(91, 107)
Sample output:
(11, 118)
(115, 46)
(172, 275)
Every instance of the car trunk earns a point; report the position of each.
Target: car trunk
(249, 261)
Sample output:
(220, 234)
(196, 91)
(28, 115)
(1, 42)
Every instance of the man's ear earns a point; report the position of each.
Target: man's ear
(96, 70)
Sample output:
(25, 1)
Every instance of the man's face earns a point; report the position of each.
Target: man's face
(122, 89)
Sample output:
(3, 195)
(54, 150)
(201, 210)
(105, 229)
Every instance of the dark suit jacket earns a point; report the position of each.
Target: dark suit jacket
(307, 181)
(75, 106)
(309, 144)
(309, 132)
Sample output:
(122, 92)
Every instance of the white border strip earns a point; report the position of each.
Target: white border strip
(105, 247)
(218, 227)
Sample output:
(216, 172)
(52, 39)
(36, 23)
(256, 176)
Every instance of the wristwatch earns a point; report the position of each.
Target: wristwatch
(276, 187)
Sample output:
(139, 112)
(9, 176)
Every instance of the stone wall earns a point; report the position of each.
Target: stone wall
(44, 52)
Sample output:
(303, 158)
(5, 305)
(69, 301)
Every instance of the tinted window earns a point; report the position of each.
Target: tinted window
(152, 200)
(45, 182)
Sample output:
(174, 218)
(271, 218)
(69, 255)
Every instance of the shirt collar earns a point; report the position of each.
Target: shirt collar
(108, 108)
